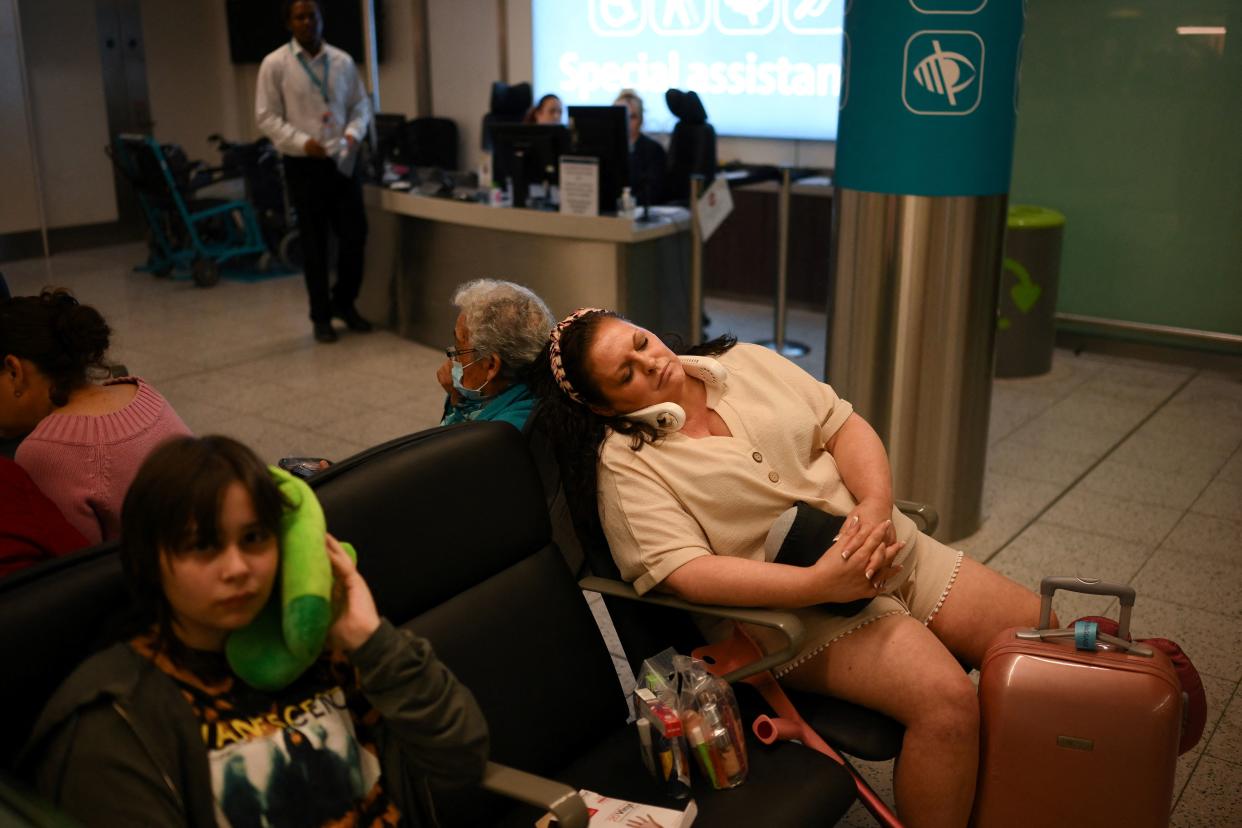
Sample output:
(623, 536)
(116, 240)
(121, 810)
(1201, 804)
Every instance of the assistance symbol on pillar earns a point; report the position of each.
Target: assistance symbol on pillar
(1024, 294)
(943, 73)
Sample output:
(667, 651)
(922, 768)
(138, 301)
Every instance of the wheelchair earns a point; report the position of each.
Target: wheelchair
(201, 234)
(259, 166)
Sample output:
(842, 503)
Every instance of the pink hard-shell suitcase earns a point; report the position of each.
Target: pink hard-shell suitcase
(1078, 728)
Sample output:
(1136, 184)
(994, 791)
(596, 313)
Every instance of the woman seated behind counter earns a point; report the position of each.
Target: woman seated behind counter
(548, 111)
(648, 161)
(500, 332)
(686, 507)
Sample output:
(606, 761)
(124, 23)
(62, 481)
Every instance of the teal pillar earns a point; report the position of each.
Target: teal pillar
(924, 152)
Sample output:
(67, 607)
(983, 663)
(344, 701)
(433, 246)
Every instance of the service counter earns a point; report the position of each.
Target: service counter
(420, 248)
(740, 260)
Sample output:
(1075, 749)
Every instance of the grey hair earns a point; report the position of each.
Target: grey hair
(625, 97)
(505, 319)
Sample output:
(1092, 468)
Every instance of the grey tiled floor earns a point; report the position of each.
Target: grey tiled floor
(1122, 469)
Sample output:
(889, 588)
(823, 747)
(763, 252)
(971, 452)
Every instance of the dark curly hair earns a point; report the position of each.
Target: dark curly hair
(65, 340)
(577, 433)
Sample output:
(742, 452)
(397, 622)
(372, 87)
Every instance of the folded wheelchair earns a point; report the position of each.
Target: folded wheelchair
(200, 234)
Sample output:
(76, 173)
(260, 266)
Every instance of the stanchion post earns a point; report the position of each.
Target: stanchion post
(778, 343)
(696, 262)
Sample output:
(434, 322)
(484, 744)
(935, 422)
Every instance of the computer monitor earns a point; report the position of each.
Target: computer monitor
(603, 131)
(527, 154)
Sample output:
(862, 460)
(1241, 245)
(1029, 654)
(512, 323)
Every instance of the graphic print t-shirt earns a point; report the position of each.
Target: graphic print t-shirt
(302, 756)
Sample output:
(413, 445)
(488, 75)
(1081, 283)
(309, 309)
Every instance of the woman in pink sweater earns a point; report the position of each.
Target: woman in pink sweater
(85, 440)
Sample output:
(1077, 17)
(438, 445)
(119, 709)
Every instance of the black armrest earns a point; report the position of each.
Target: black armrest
(788, 624)
(562, 800)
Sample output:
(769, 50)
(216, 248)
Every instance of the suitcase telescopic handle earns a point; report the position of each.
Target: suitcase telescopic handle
(1091, 586)
(1102, 639)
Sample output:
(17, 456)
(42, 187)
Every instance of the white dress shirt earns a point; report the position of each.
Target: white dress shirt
(289, 107)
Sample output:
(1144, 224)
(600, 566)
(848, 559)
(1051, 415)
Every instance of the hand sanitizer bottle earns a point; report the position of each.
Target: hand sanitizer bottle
(627, 207)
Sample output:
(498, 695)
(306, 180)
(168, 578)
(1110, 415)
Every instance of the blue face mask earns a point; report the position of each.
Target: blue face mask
(473, 394)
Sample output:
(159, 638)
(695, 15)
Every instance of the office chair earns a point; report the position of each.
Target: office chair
(691, 147)
(509, 105)
(432, 142)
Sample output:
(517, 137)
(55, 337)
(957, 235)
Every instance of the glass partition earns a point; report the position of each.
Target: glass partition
(1130, 123)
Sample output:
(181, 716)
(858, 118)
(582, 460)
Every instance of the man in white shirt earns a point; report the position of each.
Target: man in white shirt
(311, 103)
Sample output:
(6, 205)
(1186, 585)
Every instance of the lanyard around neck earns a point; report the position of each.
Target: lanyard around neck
(321, 85)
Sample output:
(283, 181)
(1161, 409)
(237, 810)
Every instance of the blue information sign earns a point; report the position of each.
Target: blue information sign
(929, 96)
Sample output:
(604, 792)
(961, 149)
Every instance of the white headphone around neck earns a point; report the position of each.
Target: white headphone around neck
(665, 416)
(669, 416)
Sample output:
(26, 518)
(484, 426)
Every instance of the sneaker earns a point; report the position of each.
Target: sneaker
(353, 320)
(324, 332)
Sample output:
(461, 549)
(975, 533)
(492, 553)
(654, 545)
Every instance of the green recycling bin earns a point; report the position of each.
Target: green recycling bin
(1027, 302)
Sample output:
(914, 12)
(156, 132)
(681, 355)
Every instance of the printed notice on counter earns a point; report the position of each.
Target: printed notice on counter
(580, 185)
(714, 207)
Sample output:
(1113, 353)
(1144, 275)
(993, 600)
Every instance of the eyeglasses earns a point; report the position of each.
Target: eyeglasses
(454, 353)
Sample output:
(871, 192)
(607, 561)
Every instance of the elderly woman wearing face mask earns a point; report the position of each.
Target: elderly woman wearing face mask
(499, 333)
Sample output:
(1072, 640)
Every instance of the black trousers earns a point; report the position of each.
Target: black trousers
(328, 202)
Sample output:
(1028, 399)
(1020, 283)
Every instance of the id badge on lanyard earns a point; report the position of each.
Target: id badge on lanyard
(321, 85)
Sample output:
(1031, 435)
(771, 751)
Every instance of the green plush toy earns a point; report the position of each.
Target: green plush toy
(289, 634)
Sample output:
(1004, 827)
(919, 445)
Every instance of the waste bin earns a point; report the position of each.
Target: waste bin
(1027, 301)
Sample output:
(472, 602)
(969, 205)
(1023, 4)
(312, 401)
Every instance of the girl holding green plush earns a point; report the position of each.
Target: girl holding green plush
(228, 709)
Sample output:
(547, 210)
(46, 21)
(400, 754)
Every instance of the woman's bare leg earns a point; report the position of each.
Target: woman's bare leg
(896, 666)
(980, 605)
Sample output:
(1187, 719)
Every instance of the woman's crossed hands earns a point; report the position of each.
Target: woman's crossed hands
(857, 565)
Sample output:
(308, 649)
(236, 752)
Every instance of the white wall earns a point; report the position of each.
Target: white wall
(189, 77)
(464, 37)
(521, 43)
(71, 124)
(397, 76)
(18, 207)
